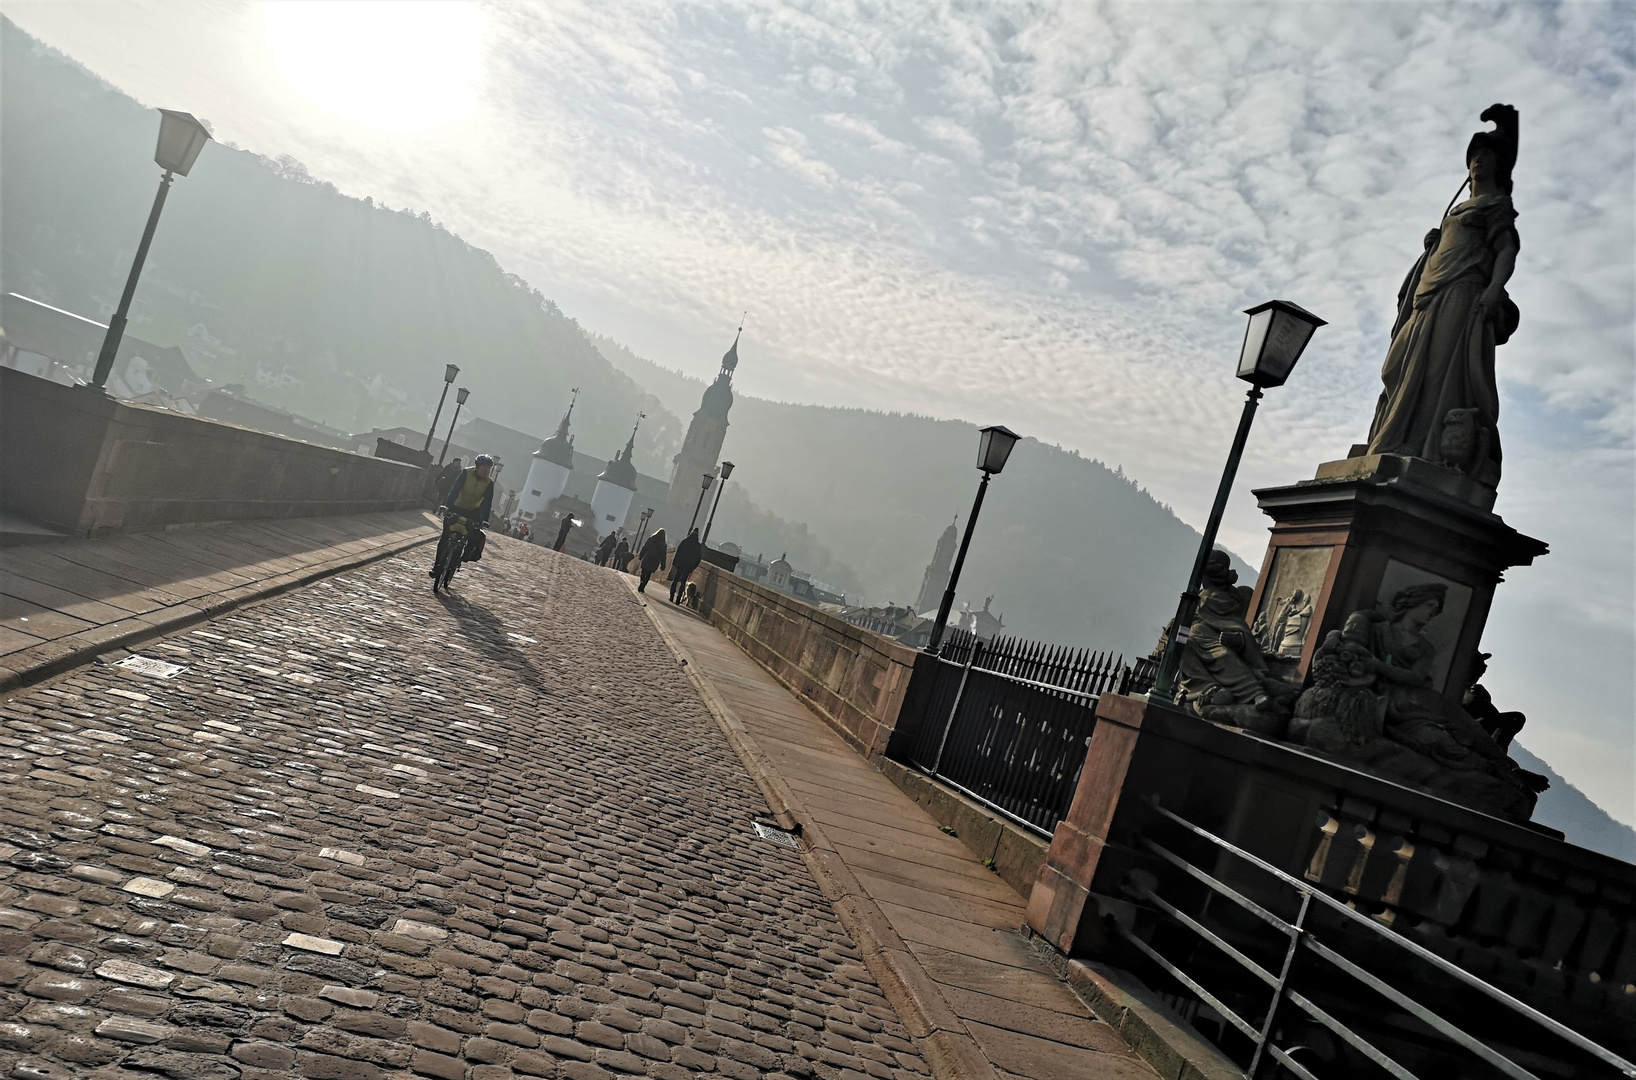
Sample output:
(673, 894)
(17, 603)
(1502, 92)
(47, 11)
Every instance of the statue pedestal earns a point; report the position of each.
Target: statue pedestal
(1368, 526)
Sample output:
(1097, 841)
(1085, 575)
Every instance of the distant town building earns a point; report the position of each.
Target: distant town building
(754, 569)
(615, 488)
(548, 472)
(785, 578)
(985, 624)
(233, 405)
(59, 345)
(898, 623)
(936, 579)
(914, 629)
(701, 449)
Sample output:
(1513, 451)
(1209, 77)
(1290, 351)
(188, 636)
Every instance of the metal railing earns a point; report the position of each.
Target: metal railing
(1008, 723)
(1319, 1013)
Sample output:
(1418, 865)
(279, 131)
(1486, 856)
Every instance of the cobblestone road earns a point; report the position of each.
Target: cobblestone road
(369, 832)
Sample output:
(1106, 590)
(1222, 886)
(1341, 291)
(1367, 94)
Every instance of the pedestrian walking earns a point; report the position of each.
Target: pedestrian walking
(604, 550)
(446, 477)
(621, 555)
(652, 558)
(688, 554)
(568, 523)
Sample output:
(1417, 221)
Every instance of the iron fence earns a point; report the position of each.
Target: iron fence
(1290, 981)
(1007, 722)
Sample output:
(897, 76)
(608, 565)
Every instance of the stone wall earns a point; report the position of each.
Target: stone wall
(76, 458)
(853, 678)
(1548, 922)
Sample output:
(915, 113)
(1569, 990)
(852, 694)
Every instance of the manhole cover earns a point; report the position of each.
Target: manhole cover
(147, 665)
(777, 836)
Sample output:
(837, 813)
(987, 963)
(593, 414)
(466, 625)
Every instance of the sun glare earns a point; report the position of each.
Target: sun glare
(399, 66)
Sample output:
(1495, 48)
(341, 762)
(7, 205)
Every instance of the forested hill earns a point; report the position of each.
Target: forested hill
(1072, 551)
(343, 310)
(334, 307)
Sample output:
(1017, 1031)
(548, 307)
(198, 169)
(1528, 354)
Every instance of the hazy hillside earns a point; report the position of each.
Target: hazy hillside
(1072, 551)
(1565, 807)
(334, 307)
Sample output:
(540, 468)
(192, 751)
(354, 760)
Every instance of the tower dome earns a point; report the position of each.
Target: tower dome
(548, 472)
(559, 448)
(615, 487)
(621, 471)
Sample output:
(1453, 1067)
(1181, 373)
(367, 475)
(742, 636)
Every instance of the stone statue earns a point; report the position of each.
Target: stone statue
(1342, 711)
(1224, 676)
(1292, 629)
(1452, 311)
(1372, 701)
(1502, 727)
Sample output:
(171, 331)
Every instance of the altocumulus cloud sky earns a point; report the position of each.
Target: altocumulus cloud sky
(1044, 213)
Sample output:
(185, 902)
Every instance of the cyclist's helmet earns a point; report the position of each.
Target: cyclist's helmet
(483, 459)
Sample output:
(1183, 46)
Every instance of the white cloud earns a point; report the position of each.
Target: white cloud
(953, 135)
(1050, 214)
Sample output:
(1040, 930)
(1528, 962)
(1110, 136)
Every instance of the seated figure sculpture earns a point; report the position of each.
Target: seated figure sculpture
(1342, 711)
(1372, 702)
(1224, 675)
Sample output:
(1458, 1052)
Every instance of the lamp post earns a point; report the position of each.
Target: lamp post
(993, 447)
(726, 471)
(449, 373)
(460, 397)
(700, 504)
(181, 137)
(642, 528)
(1277, 334)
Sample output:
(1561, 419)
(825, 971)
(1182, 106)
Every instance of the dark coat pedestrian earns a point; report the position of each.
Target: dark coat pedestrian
(446, 477)
(562, 532)
(621, 555)
(604, 550)
(652, 557)
(688, 554)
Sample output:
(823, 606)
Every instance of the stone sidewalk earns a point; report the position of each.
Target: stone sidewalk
(938, 929)
(64, 601)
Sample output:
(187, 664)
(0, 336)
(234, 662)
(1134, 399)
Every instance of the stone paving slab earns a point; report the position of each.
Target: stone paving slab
(918, 900)
(64, 602)
(367, 832)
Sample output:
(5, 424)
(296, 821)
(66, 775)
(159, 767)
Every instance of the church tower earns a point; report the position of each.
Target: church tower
(615, 487)
(937, 572)
(701, 450)
(548, 474)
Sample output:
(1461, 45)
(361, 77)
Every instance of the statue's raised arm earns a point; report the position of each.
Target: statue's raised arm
(1441, 400)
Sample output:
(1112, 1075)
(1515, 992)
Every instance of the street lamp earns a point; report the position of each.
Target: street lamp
(642, 528)
(181, 137)
(700, 504)
(460, 397)
(449, 373)
(726, 471)
(993, 448)
(1276, 336)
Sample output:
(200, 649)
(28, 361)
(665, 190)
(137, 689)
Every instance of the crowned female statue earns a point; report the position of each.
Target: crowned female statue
(1441, 401)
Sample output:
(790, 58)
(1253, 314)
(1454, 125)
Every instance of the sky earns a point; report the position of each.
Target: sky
(1046, 215)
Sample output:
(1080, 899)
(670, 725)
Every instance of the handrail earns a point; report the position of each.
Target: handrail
(1567, 1034)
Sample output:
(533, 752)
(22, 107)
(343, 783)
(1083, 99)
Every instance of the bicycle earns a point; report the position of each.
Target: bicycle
(451, 549)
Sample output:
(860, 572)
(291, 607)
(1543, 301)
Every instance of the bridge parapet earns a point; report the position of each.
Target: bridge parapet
(75, 458)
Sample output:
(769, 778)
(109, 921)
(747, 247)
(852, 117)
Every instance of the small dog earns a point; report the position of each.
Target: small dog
(691, 597)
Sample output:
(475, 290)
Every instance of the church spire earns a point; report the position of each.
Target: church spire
(729, 359)
(559, 448)
(562, 428)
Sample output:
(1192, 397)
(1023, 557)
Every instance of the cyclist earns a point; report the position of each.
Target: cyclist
(470, 495)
